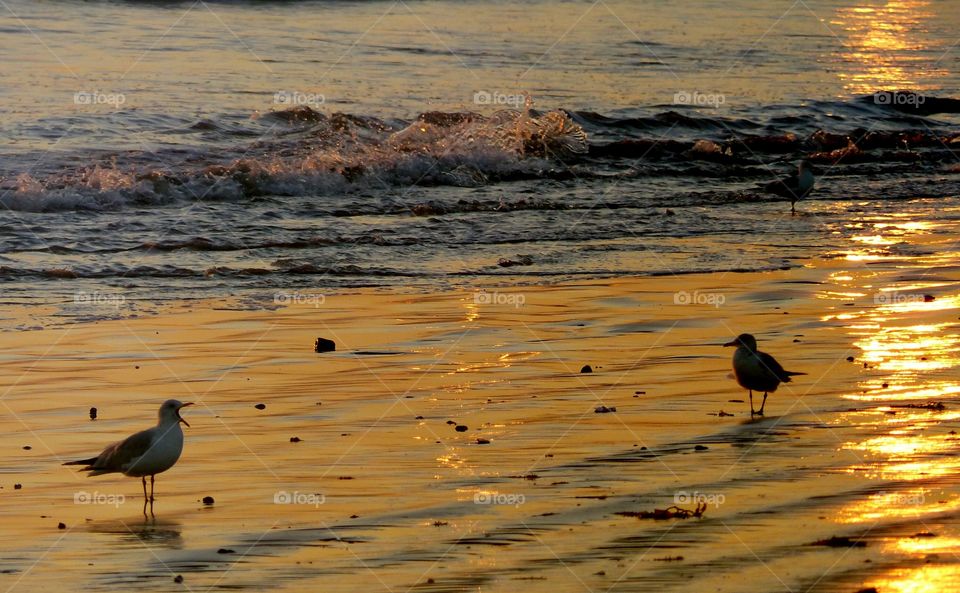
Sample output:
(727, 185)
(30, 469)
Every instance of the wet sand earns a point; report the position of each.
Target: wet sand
(383, 493)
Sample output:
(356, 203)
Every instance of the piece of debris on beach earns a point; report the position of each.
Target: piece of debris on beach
(840, 542)
(673, 512)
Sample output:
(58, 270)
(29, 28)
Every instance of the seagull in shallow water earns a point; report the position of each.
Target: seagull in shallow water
(757, 371)
(794, 187)
(146, 453)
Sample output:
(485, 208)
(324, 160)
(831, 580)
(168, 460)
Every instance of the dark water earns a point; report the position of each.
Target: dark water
(169, 151)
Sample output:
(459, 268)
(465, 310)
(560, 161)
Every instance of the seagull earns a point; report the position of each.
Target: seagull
(146, 453)
(795, 186)
(755, 370)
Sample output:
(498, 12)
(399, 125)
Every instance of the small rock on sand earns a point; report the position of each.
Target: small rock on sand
(178, 578)
(208, 500)
(701, 448)
(27, 447)
(483, 442)
(461, 428)
(61, 525)
(93, 413)
(586, 369)
(295, 439)
(261, 406)
(324, 345)
(225, 551)
(17, 486)
(604, 409)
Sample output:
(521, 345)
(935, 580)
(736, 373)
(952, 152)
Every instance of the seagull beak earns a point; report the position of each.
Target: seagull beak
(732, 343)
(181, 417)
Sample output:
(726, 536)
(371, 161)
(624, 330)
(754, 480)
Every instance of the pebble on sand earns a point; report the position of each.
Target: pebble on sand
(324, 345)
(483, 442)
(295, 439)
(17, 486)
(61, 525)
(461, 428)
(586, 369)
(93, 413)
(604, 409)
(261, 406)
(27, 447)
(178, 578)
(208, 500)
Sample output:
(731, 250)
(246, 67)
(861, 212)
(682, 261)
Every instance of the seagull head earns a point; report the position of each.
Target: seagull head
(745, 341)
(170, 411)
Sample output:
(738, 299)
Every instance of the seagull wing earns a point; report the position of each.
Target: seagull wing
(771, 364)
(119, 456)
(785, 187)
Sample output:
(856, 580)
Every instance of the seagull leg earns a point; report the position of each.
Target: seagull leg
(760, 413)
(751, 403)
(144, 480)
(151, 486)
(793, 208)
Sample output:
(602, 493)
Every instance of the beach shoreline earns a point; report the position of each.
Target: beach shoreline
(383, 492)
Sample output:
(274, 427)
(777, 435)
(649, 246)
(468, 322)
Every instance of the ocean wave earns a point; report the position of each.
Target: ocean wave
(325, 155)
(303, 152)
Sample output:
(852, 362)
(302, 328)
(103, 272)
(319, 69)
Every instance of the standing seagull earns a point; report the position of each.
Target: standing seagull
(755, 370)
(146, 453)
(794, 187)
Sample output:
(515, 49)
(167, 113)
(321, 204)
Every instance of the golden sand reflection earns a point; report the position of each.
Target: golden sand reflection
(472, 309)
(907, 453)
(929, 545)
(893, 505)
(931, 578)
(875, 391)
(873, 240)
(899, 445)
(451, 460)
(916, 470)
(908, 350)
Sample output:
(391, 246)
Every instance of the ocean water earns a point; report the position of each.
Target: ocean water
(177, 150)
